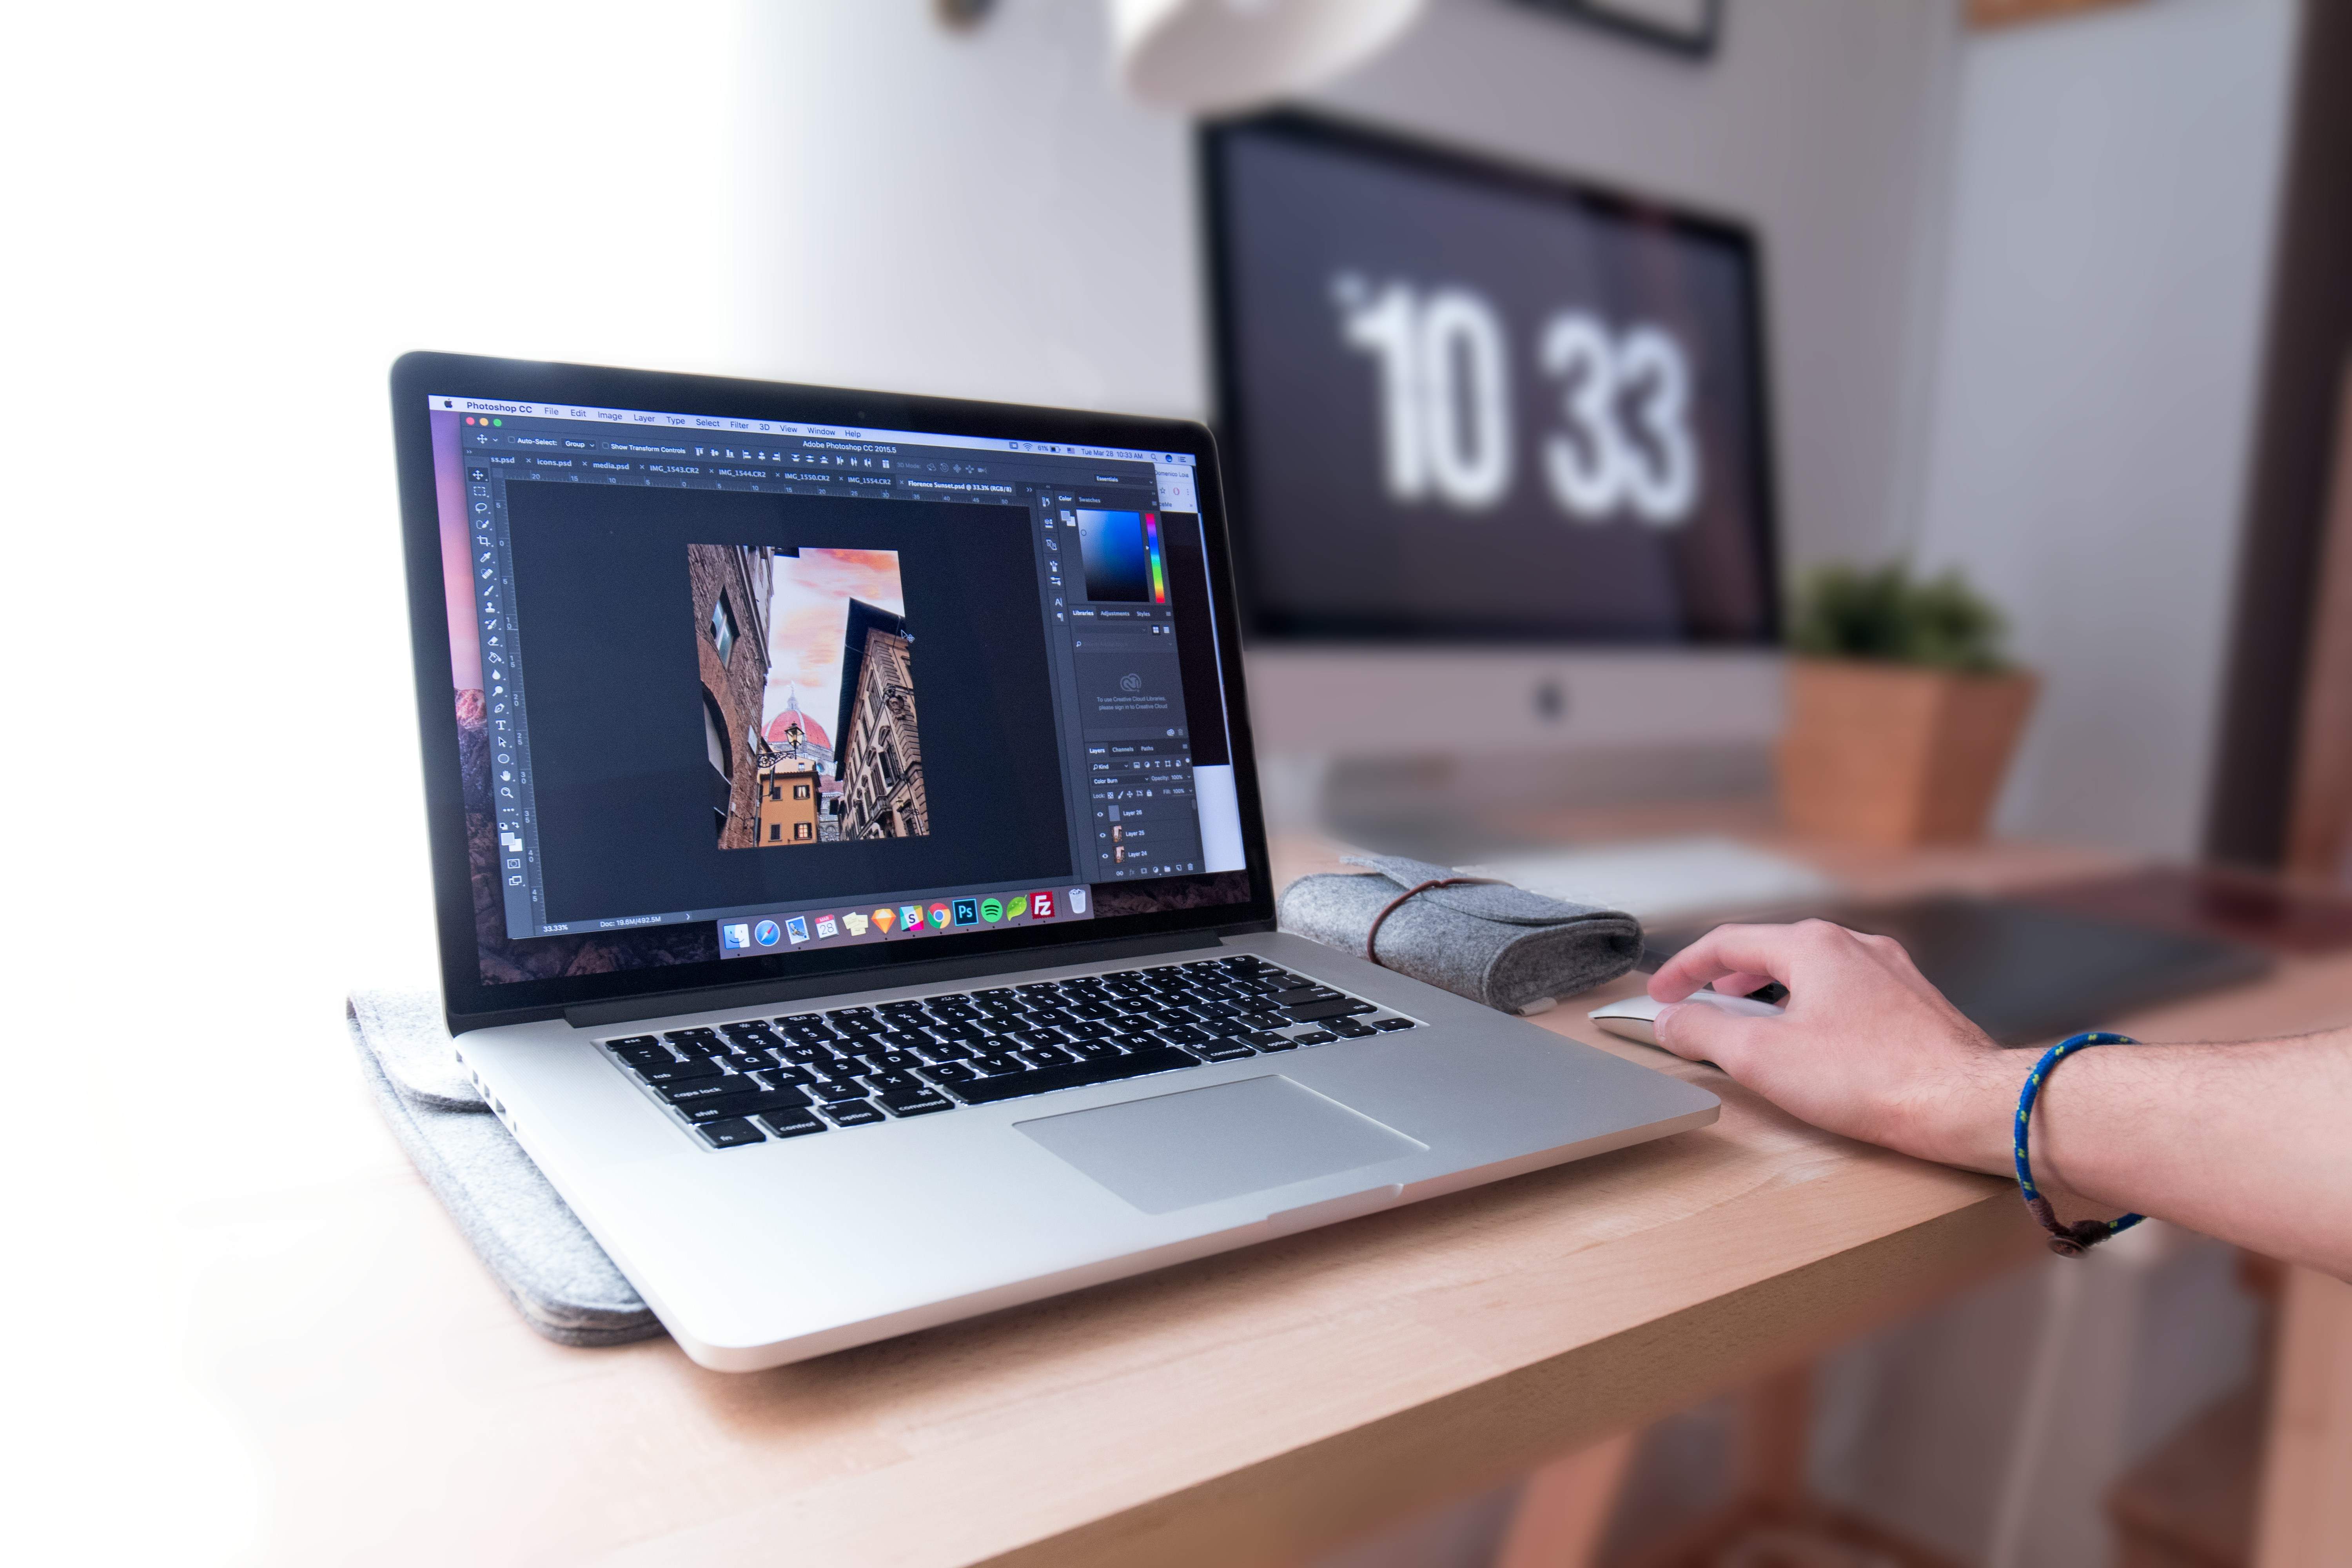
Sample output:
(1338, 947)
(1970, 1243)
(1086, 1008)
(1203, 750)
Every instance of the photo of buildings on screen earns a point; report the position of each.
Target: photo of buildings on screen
(808, 696)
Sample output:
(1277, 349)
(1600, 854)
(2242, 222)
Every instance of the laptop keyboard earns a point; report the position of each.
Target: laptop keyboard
(742, 1083)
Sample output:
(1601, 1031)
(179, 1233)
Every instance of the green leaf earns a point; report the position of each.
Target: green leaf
(1881, 612)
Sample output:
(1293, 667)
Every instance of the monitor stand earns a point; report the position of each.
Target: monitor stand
(1453, 809)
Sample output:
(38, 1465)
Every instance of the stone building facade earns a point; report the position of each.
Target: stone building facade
(731, 584)
(881, 761)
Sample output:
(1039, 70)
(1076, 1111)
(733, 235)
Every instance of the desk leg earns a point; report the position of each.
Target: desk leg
(1776, 1422)
(1565, 1506)
(2306, 1515)
(1772, 1516)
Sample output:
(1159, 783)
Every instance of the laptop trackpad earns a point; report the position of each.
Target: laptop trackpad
(1172, 1150)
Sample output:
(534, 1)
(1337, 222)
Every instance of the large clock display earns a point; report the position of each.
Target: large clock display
(1464, 400)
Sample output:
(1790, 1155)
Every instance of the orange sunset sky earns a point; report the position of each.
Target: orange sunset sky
(806, 614)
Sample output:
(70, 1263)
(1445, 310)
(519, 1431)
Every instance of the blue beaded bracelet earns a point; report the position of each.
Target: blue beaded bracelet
(2065, 1240)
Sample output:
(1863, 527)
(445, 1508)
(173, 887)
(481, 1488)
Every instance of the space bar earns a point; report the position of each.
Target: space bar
(1045, 1080)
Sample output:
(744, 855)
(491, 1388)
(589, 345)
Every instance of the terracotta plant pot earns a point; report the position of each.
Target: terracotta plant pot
(1897, 755)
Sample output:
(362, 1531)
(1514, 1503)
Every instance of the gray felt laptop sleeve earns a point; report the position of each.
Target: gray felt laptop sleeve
(534, 1247)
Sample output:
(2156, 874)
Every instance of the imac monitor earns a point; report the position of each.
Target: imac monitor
(1468, 407)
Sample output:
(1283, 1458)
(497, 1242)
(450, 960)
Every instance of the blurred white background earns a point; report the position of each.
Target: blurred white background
(226, 223)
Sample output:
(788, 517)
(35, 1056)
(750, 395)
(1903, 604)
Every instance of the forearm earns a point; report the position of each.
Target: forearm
(2252, 1142)
(2249, 1142)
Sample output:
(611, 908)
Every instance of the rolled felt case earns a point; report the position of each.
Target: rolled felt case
(1510, 949)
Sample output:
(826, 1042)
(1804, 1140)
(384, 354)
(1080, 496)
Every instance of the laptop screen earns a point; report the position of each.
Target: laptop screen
(739, 687)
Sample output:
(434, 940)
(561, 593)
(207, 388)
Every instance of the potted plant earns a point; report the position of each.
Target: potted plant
(1903, 710)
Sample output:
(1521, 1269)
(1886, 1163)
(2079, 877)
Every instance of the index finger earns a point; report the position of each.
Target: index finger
(1770, 950)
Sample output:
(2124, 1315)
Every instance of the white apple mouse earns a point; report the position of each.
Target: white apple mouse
(1632, 1016)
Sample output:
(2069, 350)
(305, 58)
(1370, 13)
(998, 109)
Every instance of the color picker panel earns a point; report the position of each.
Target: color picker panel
(1121, 567)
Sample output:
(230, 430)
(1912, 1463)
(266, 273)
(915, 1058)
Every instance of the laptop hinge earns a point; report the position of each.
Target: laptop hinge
(711, 999)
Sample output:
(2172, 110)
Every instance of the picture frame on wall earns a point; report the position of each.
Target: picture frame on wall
(1689, 28)
(1985, 14)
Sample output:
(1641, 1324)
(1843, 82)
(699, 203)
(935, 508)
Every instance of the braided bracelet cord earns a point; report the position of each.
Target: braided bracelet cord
(2065, 1240)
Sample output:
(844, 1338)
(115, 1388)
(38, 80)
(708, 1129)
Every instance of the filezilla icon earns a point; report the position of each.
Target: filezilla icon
(1042, 905)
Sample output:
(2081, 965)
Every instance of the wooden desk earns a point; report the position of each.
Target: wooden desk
(1247, 1409)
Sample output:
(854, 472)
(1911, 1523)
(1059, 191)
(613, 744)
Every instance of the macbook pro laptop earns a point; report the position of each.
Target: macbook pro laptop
(849, 873)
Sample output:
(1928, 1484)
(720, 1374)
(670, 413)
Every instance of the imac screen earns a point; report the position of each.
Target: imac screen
(1462, 401)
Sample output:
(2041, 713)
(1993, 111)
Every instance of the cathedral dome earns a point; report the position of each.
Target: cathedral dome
(812, 732)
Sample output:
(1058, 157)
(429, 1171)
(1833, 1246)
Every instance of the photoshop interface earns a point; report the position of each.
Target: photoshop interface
(1102, 524)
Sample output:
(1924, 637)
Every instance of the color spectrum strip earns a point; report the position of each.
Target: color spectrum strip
(1159, 567)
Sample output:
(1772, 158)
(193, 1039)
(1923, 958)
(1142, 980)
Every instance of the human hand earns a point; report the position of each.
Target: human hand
(1865, 1047)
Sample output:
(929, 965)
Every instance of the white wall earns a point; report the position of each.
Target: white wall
(2110, 237)
(983, 215)
(976, 215)
(225, 223)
